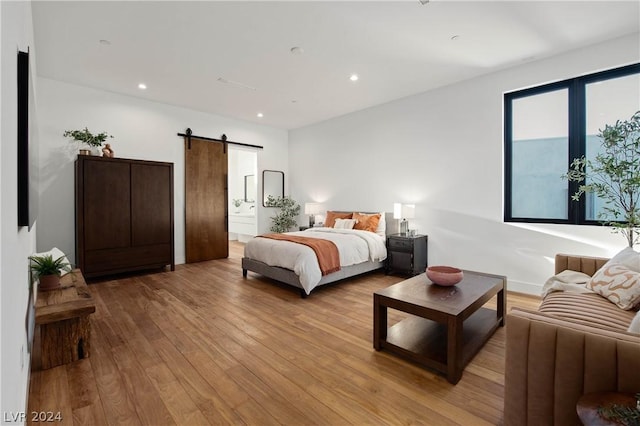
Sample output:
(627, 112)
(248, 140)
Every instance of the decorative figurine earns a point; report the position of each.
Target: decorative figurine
(107, 151)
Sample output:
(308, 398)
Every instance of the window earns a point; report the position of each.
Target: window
(546, 127)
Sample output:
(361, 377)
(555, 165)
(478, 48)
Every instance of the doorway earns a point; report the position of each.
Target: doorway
(243, 193)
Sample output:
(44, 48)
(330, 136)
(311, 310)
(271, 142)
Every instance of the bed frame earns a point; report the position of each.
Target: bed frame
(289, 277)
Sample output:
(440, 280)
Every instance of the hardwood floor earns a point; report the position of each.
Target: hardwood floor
(202, 345)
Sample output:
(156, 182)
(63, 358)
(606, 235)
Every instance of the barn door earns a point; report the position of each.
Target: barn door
(206, 232)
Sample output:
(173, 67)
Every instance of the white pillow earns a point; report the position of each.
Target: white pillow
(627, 257)
(56, 253)
(344, 223)
(382, 226)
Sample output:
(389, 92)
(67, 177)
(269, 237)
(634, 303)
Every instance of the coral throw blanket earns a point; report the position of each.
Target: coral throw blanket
(326, 251)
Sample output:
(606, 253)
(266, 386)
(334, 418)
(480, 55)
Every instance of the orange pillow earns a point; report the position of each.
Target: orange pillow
(366, 222)
(330, 220)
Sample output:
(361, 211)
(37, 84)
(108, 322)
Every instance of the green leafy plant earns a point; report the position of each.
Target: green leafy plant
(614, 176)
(85, 136)
(622, 414)
(284, 220)
(46, 265)
(236, 202)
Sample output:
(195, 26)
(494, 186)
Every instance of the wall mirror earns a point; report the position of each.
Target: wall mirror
(272, 184)
(249, 188)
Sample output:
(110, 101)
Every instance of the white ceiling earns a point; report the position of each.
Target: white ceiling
(398, 48)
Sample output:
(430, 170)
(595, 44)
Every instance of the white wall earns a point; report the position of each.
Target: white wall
(16, 243)
(443, 151)
(142, 130)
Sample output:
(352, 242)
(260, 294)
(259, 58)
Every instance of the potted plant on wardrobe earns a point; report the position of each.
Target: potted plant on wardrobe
(84, 136)
(614, 176)
(285, 219)
(48, 271)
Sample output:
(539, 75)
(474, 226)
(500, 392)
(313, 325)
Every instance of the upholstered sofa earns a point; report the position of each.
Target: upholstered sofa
(572, 345)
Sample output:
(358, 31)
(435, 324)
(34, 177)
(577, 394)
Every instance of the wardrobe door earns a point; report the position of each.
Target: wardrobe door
(152, 214)
(151, 198)
(107, 215)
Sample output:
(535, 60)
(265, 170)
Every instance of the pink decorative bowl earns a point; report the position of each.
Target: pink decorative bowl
(444, 275)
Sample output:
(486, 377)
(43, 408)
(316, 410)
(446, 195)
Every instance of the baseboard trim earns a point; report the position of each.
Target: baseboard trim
(523, 287)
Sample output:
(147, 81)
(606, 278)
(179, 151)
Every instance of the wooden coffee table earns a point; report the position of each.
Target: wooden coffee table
(447, 326)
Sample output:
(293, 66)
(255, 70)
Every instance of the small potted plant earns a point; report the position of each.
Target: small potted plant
(284, 220)
(48, 271)
(237, 203)
(88, 138)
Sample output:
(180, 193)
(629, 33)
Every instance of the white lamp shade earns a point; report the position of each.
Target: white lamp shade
(408, 211)
(397, 211)
(313, 208)
(404, 211)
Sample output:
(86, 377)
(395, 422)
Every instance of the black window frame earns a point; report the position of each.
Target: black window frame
(576, 88)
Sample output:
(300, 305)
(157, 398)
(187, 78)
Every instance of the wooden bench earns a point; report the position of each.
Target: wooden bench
(63, 330)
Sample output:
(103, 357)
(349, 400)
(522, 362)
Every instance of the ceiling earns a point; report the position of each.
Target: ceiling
(183, 51)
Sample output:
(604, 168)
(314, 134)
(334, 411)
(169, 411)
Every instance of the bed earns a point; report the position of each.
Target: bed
(360, 251)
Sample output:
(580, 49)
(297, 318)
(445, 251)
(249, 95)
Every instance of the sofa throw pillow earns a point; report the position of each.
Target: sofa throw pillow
(627, 257)
(617, 283)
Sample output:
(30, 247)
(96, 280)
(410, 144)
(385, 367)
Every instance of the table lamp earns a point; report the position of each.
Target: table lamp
(404, 212)
(312, 209)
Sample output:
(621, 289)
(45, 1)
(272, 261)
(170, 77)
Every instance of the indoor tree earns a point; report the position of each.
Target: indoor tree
(614, 176)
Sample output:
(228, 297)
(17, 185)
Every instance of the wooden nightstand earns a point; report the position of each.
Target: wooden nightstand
(406, 255)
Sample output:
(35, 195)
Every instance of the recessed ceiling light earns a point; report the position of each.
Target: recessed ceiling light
(260, 115)
(142, 86)
(105, 42)
(354, 77)
(296, 50)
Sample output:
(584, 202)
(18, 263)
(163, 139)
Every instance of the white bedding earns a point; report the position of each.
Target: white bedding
(353, 245)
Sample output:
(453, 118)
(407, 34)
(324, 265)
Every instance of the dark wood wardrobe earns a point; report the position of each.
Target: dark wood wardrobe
(124, 215)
